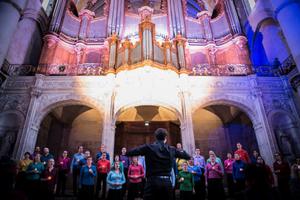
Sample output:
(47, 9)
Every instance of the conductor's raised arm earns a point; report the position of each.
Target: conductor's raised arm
(182, 154)
(138, 151)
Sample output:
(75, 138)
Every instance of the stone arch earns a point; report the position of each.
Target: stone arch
(230, 101)
(222, 132)
(16, 119)
(152, 103)
(285, 128)
(67, 100)
(69, 135)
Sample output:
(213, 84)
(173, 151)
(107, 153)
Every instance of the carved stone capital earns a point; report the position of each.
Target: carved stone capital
(256, 92)
(295, 82)
(36, 92)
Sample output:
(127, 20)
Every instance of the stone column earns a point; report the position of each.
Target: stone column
(108, 133)
(10, 12)
(30, 129)
(262, 20)
(187, 132)
(287, 13)
(264, 134)
(204, 18)
(26, 43)
(86, 16)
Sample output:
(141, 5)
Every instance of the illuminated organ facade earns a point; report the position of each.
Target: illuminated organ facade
(112, 55)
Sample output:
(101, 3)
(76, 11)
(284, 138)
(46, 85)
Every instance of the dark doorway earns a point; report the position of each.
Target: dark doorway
(136, 126)
(133, 134)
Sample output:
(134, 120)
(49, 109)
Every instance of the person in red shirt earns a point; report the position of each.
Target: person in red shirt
(135, 175)
(103, 167)
(243, 153)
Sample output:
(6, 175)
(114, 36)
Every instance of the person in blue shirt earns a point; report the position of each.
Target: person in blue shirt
(115, 181)
(75, 167)
(238, 173)
(87, 177)
(83, 161)
(99, 154)
(197, 173)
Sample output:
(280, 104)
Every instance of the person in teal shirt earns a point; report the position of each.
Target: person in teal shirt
(33, 176)
(35, 169)
(117, 159)
(186, 181)
(115, 181)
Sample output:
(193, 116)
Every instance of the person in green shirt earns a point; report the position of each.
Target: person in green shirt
(186, 181)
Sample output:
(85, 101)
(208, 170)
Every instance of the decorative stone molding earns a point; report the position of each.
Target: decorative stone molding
(14, 102)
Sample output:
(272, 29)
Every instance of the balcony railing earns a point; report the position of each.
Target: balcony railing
(96, 69)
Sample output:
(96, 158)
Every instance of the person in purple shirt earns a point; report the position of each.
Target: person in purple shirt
(228, 164)
(214, 176)
(63, 165)
(125, 160)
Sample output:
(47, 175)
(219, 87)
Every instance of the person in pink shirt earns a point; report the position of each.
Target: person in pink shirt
(214, 176)
(228, 163)
(63, 165)
(135, 175)
(243, 153)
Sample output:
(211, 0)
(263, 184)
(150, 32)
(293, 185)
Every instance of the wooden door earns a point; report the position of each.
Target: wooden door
(133, 134)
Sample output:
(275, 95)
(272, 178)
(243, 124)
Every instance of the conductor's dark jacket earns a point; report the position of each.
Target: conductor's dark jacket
(159, 157)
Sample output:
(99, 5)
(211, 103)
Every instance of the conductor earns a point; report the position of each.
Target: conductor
(159, 158)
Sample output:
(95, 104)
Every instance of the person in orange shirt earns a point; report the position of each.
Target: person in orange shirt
(103, 167)
(243, 153)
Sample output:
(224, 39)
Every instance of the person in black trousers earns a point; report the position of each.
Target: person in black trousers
(159, 161)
